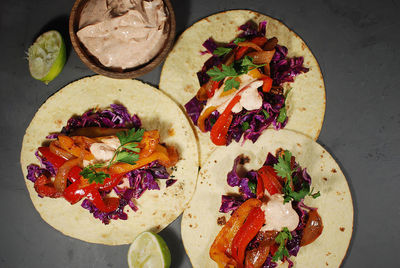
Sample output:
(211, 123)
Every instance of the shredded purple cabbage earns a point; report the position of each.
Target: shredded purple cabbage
(230, 203)
(116, 117)
(140, 179)
(210, 45)
(284, 69)
(46, 164)
(34, 172)
(269, 263)
(250, 124)
(233, 179)
(193, 109)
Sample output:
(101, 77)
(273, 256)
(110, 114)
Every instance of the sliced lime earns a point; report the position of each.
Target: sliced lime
(47, 56)
(149, 250)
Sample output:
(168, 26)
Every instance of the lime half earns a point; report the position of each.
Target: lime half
(47, 56)
(149, 250)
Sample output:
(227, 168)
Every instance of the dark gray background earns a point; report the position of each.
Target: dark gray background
(357, 46)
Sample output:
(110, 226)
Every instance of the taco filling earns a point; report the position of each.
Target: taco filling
(269, 221)
(241, 92)
(104, 158)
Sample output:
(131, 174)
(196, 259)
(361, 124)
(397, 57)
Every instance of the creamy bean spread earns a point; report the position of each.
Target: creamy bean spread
(123, 33)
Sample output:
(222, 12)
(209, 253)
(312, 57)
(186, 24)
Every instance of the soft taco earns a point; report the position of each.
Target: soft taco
(306, 221)
(238, 73)
(106, 159)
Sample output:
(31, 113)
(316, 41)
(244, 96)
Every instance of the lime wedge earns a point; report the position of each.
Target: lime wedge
(47, 56)
(149, 250)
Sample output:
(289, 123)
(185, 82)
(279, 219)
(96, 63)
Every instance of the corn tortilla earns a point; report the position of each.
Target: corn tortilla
(156, 208)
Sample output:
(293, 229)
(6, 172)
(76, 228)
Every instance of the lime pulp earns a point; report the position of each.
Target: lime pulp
(149, 250)
(47, 56)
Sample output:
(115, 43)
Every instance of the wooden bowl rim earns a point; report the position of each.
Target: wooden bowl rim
(91, 62)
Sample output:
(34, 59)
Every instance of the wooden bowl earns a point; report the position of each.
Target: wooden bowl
(94, 64)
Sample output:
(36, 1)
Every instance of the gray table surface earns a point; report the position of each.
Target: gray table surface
(357, 46)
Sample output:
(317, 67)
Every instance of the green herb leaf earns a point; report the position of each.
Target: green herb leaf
(127, 157)
(239, 39)
(92, 175)
(281, 240)
(245, 126)
(282, 168)
(221, 51)
(229, 70)
(266, 114)
(248, 62)
(231, 83)
(282, 115)
(314, 195)
(253, 187)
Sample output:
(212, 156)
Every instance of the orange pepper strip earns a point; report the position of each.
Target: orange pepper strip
(69, 145)
(204, 116)
(160, 154)
(220, 250)
(149, 143)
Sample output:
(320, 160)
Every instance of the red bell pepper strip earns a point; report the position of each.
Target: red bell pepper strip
(74, 174)
(267, 85)
(107, 204)
(110, 182)
(52, 158)
(220, 250)
(45, 187)
(76, 192)
(246, 233)
(259, 40)
(260, 188)
(240, 52)
(215, 85)
(221, 126)
(270, 180)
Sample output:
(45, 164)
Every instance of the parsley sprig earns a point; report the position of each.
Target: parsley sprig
(284, 170)
(233, 71)
(281, 240)
(127, 152)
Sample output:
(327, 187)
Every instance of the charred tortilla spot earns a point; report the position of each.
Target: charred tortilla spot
(171, 132)
(342, 229)
(221, 220)
(325, 179)
(279, 152)
(188, 88)
(303, 46)
(190, 215)
(190, 225)
(333, 170)
(327, 254)
(302, 109)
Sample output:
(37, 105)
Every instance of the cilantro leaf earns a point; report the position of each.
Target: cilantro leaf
(245, 126)
(216, 74)
(229, 70)
(92, 175)
(266, 114)
(239, 39)
(231, 83)
(221, 51)
(282, 115)
(248, 62)
(253, 187)
(281, 240)
(282, 168)
(127, 157)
